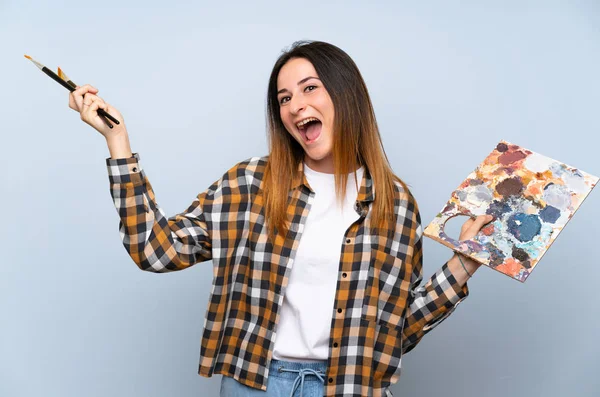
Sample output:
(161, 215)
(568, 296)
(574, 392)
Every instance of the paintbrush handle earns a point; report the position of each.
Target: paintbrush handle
(57, 79)
(60, 81)
(108, 116)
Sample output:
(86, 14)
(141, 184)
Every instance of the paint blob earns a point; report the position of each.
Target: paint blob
(498, 208)
(530, 196)
(510, 157)
(520, 254)
(550, 214)
(510, 187)
(558, 196)
(502, 147)
(523, 226)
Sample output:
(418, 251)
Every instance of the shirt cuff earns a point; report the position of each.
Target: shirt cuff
(125, 170)
(455, 294)
(460, 293)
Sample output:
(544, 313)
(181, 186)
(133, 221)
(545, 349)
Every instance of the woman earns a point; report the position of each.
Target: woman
(316, 247)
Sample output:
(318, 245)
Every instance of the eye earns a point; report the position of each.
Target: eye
(310, 88)
(283, 99)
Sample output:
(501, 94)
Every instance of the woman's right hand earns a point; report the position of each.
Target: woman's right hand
(85, 101)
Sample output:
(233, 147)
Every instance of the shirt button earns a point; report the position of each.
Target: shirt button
(330, 380)
(335, 344)
(339, 310)
(344, 275)
(134, 169)
(348, 241)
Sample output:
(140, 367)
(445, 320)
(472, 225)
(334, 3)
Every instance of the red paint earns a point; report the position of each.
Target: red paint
(510, 157)
(488, 230)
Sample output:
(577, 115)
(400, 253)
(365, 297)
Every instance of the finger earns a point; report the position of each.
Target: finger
(93, 97)
(85, 114)
(76, 97)
(100, 99)
(467, 225)
(80, 90)
(472, 226)
(88, 99)
(86, 103)
(91, 103)
(90, 111)
(479, 222)
(72, 103)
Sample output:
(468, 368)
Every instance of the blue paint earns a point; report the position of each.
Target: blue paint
(475, 182)
(498, 208)
(524, 227)
(550, 214)
(496, 255)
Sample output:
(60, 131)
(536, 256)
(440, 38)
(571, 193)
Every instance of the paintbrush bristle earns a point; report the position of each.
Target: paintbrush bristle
(36, 63)
(66, 78)
(62, 74)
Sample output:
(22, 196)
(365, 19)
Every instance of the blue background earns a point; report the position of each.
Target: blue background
(448, 81)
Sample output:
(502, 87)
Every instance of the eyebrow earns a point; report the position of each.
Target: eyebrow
(304, 80)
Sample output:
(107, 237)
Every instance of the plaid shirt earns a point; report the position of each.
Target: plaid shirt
(380, 311)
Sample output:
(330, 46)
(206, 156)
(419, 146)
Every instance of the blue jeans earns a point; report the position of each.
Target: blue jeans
(286, 378)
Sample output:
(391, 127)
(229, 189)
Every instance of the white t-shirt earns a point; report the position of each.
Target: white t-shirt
(302, 333)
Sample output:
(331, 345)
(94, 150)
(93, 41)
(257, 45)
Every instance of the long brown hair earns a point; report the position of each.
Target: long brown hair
(356, 138)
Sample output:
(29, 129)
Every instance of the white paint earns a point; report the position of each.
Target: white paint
(538, 163)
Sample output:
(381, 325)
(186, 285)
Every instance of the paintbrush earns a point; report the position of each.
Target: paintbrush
(66, 78)
(69, 87)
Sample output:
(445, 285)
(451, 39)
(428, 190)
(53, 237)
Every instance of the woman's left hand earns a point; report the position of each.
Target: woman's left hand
(472, 226)
(469, 230)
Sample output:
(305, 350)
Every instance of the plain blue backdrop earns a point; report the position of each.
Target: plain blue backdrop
(448, 81)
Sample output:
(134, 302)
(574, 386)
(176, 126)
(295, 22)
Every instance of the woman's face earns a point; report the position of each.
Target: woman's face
(307, 112)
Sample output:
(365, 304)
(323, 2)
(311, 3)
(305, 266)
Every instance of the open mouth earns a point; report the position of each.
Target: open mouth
(310, 129)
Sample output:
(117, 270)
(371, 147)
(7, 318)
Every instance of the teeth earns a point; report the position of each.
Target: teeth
(301, 123)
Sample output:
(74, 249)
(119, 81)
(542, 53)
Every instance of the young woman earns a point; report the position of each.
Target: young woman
(316, 247)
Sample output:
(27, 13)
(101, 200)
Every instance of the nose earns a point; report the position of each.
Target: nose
(297, 104)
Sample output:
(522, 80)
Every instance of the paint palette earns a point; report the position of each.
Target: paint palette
(532, 197)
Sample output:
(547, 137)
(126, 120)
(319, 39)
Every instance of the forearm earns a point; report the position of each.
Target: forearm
(155, 243)
(119, 146)
(430, 305)
(460, 273)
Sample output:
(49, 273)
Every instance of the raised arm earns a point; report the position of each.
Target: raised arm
(155, 243)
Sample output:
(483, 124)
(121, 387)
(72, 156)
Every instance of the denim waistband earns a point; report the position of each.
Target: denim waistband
(290, 369)
(299, 372)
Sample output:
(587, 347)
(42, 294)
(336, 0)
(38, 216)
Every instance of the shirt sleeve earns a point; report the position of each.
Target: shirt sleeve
(432, 303)
(155, 243)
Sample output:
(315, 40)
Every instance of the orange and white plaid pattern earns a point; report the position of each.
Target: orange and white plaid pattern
(380, 310)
